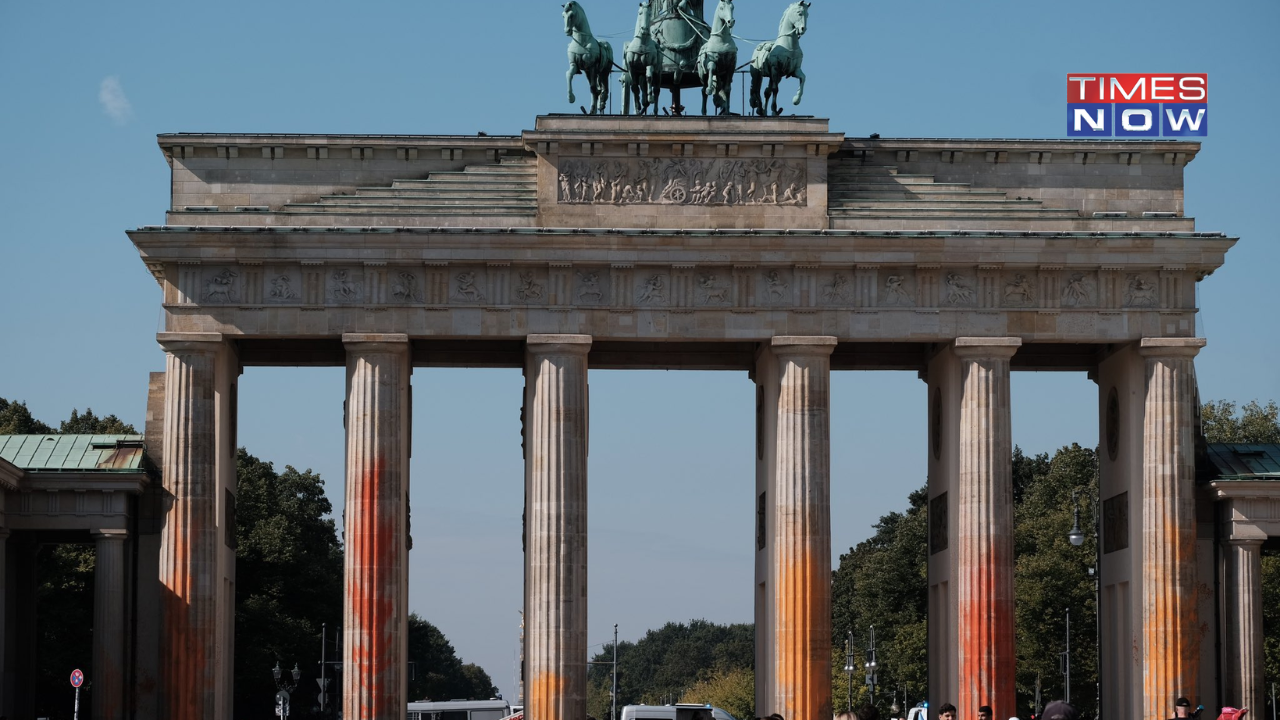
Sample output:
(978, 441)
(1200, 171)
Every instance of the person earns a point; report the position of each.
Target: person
(947, 712)
(984, 712)
(868, 712)
(846, 715)
(1182, 708)
(1059, 710)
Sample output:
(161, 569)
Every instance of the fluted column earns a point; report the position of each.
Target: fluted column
(556, 526)
(802, 515)
(375, 611)
(1246, 686)
(984, 526)
(1170, 627)
(189, 539)
(108, 625)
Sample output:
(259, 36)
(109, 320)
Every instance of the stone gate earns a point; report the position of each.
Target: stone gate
(771, 245)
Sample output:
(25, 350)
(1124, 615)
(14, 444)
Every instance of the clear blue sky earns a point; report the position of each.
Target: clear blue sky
(671, 470)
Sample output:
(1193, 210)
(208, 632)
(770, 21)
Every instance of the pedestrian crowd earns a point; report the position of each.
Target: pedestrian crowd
(1056, 710)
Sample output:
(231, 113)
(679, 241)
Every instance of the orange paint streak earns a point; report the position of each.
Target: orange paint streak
(803, 664)
(545, 696)
(373, 589)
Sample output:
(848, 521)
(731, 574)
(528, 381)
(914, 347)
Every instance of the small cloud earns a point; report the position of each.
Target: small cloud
(114, 103)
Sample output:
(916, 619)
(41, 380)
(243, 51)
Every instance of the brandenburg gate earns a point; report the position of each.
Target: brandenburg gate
(772, 245)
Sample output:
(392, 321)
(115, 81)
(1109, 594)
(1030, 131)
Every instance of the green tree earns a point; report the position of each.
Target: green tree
(1256, 423)
(15, 419)
(288, 579)
(90, 424)
(883, 581)
(731, 690)
(666, 662)
(438, 672)
(1053, 576)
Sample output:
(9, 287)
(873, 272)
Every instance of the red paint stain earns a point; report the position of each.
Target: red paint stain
(803, 663)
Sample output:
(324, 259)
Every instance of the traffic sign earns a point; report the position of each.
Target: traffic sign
(77, 678)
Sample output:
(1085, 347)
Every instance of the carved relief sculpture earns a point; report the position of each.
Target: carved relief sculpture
(405, 289)
(894, 291)
(345, 288)
(958, 291)
(467, 289)
(712, 292)
(776, 286)
(221, 287)
(1140, 293)
(1075, 292)
(529, 288)
(282, 288)
(653, 291)
(590, 289)
(683, 181)
(838, 290)
(1020, 290)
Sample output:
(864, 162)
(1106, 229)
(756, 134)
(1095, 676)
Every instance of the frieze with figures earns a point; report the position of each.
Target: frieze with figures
(708, 287)
(683, 181)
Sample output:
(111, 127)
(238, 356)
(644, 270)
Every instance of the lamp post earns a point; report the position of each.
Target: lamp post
(1077, 537)
(871, 666)
(848, 665)
(284, 686)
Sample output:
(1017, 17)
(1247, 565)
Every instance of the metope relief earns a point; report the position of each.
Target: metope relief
(221, 287)
(711, 292)
(529, 289)
(683, 181)
(837, 292)
(404, 288)
(1078, 290)
(776, 287)
(282, 289)
(1140, 292)
(896, 293)
(589, 291)
(344, 286)
(652, 290)
(467, 288)
(959, 290)
(1019, 291)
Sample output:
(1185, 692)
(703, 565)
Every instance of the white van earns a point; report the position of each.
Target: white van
(459, 710)
(674, 712)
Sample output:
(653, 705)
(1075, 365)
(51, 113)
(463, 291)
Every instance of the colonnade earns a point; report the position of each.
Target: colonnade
(971, 635)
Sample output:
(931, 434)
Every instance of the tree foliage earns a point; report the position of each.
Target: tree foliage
(16, 419)
(438, 673)
(1255, 423)
(733, 690)
(666, 663)
(883, 581)
(288, 580)
(91, 424)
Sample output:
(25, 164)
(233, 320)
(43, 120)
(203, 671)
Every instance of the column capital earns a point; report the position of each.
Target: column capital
(1245, 533)
(376, 342)
(189, 342)
(1170, 347)
(820, 345)
(1001, 348)
(110, 535)
(558, 344)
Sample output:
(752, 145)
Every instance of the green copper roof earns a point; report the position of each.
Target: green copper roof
(1245, 462)
(75, 453)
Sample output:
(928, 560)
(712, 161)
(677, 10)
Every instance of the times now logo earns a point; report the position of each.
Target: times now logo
(1137, 105)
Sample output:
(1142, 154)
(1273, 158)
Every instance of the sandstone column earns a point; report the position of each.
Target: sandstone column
(189, 540)
(984, 526)
(108, 625)
(1170, 628)
(556, 526)
(375, 673)
(1243, 637)
(802, 521)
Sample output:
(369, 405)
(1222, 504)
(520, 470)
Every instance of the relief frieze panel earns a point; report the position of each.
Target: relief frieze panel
(683, 181)
(624, 287)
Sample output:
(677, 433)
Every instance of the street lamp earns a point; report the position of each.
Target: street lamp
(871, 666)
(848, 665)
(284, 686)
(1076, 537)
